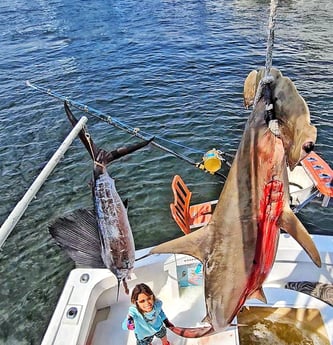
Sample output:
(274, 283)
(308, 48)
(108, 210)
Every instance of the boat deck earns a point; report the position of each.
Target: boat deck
(92, 293)
(178, 310)
(108, 331)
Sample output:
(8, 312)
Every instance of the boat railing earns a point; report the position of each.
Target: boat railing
(19, 209)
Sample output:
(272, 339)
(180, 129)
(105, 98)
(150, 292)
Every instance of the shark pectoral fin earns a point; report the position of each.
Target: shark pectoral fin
(259, 294)
(192, 244)
(291, 224)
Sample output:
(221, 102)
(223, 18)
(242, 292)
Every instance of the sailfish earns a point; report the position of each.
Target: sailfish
(101, 237)
(237, 248)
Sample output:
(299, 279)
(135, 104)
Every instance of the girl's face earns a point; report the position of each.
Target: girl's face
(145, 302)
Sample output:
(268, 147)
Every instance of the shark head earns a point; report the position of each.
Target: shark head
(293, 115)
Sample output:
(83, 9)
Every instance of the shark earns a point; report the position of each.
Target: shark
(237, 247)
(101, 237)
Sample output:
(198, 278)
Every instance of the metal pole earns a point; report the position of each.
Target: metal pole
(22, 205)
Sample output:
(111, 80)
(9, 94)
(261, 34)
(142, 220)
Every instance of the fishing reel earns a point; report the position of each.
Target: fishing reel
(211, 161)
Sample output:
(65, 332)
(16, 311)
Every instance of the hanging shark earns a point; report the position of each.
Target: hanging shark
(237, 248)
(101, 237)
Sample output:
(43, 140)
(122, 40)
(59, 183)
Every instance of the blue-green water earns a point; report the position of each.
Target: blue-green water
(171, 68)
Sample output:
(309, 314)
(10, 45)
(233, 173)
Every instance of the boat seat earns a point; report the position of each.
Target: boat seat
(188, 216)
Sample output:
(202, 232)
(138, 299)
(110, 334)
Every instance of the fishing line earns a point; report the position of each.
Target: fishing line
(133, 131)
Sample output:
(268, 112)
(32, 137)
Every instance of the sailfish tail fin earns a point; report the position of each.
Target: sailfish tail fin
(83, 135)
(94, 151)
(125, 150)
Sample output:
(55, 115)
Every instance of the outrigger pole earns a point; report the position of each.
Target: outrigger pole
(22, 205)
(120, 125)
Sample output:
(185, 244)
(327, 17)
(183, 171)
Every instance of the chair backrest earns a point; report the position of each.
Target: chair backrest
(181, 206)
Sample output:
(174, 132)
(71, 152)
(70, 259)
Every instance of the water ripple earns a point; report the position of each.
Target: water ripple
(174, 69)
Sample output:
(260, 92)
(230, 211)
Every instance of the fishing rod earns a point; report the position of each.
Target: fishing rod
(211, 161)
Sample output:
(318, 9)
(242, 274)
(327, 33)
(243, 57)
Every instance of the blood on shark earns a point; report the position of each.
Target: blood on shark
(238, 246)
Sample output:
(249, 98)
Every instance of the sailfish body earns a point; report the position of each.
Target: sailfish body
(102, 237)
(117, 243)
(238, 246)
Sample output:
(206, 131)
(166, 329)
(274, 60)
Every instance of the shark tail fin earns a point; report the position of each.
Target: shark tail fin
(291, 224)
(195, 332)
(77, 235)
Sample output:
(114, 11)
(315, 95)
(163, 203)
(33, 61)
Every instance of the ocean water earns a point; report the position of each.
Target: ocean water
(171, 68)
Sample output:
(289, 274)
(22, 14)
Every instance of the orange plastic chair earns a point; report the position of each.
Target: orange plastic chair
(188, 216)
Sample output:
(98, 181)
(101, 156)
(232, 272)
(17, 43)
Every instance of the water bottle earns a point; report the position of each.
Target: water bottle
(130, 323)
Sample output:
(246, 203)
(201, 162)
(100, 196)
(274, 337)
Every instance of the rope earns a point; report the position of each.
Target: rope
(270, 39)
(267, 79)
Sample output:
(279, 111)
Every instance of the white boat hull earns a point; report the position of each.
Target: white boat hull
(88, 312)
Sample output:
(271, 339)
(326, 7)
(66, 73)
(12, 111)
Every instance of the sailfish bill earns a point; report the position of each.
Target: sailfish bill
(101, 237)
(237, 248)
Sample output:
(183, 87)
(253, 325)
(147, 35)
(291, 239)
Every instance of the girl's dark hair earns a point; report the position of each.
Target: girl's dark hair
(141, 288)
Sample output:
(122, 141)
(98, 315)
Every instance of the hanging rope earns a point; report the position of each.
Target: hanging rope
(270, 39)
(269, 52)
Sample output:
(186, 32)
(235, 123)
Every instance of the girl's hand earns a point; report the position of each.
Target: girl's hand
(130, 323)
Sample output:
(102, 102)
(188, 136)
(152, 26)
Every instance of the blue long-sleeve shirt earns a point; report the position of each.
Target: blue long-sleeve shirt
(147, 324)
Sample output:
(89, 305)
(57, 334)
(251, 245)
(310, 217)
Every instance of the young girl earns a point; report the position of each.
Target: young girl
(146, 316)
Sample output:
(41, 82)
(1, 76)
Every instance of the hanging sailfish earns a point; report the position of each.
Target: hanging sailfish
(102, 237)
